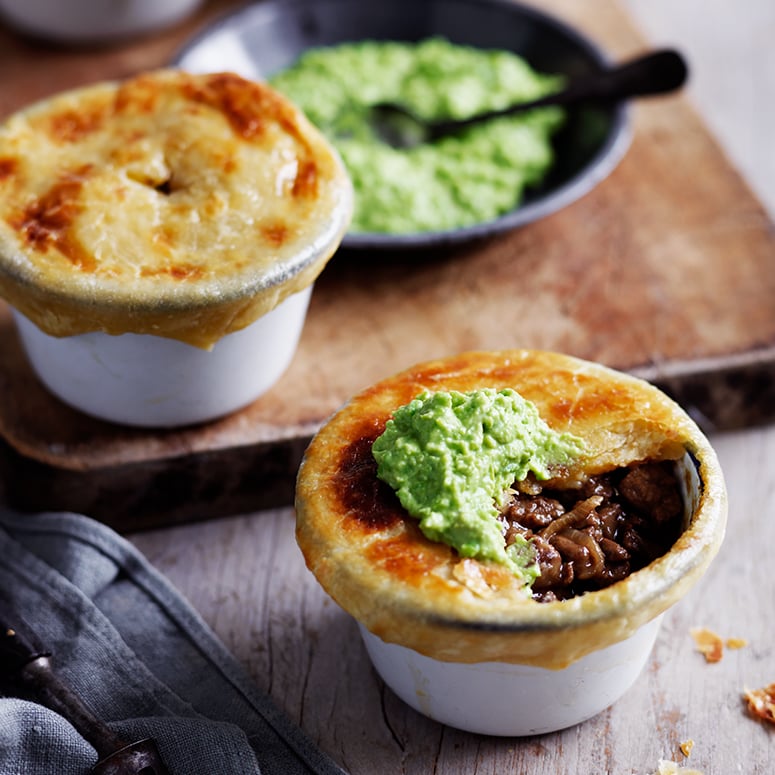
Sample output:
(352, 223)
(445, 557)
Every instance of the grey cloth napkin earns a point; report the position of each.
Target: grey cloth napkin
(140, 657)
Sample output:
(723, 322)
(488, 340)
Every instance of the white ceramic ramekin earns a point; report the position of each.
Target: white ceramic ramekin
(498, 698)
(87, 21)
(152, 381)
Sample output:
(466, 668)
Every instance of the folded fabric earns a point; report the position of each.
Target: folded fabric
(138, 655)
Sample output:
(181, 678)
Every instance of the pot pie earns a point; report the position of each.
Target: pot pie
(369, 554)
(179, 205)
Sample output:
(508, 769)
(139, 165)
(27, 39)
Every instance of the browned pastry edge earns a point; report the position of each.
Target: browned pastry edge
(171, 203)
(412, 591)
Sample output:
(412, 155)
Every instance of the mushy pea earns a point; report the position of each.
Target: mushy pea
(470, 178)
(451, 457)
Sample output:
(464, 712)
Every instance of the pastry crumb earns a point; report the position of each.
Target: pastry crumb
(712, 645)
(671, 768)
(686, 747)
(761, 702)
(468, 573)
(708, 643)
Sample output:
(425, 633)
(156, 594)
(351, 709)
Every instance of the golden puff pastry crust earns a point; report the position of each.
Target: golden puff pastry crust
(371, 557)
(171, 204)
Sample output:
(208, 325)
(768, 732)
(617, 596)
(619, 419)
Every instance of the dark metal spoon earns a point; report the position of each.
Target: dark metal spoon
(25, 665)
(654, 73)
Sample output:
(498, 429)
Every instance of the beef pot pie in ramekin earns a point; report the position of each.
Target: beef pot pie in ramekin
(618, 532)
(159, 238)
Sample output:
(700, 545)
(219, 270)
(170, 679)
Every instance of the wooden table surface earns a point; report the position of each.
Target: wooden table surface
(247, 578)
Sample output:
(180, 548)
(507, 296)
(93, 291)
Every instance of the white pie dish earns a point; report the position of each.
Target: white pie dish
(84, 21)
(507, 700)
(151, 381)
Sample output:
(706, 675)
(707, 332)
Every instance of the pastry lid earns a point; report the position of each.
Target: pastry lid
(406, 589)
(172, 204)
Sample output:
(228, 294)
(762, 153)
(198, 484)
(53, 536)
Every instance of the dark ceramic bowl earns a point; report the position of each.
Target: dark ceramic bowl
(264, 37)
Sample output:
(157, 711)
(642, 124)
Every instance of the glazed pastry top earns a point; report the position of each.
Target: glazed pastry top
(165, 192)
(371, 557)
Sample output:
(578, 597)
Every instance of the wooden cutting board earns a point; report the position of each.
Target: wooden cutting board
(667, 269)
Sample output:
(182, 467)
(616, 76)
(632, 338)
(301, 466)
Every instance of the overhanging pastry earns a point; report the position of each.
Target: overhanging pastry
(371, 557)
(178, 205)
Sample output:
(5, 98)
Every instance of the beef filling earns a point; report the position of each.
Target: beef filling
(591, 537)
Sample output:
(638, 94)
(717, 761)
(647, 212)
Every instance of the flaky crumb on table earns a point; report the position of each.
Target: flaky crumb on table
(708, 643)
(761, 702)
(712, 645)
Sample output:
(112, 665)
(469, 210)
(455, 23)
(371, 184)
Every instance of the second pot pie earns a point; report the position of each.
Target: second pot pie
(178, 205)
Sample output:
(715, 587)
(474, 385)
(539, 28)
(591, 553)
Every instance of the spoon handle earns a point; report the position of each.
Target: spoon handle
(25, 664)
(655, 73)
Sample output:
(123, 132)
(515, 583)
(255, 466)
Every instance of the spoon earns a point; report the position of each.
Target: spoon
(654, 73)
(25, 665)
